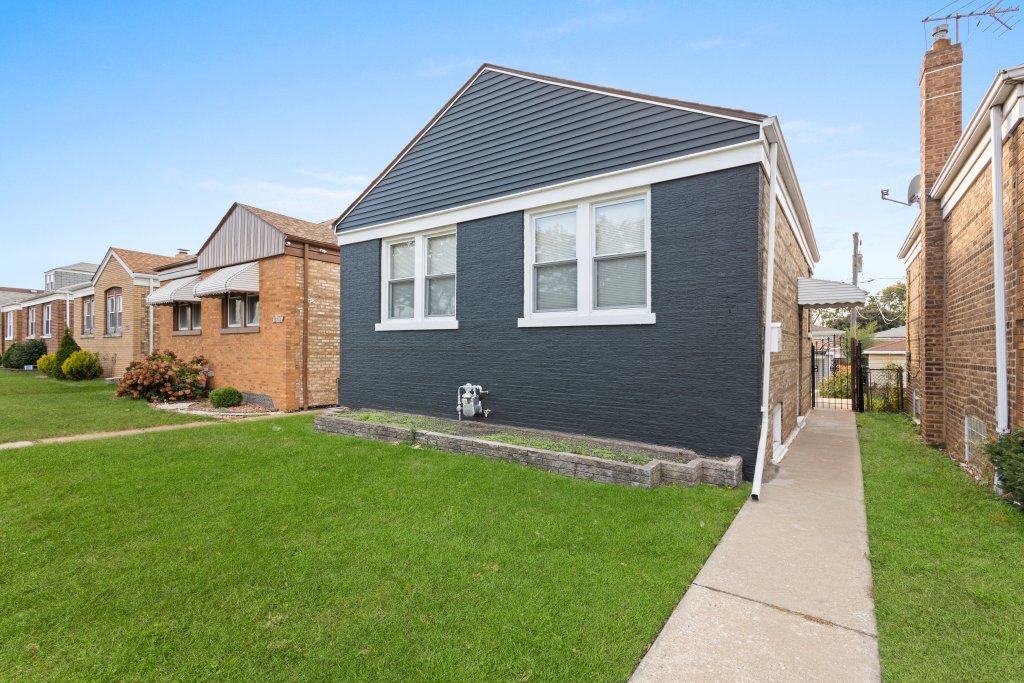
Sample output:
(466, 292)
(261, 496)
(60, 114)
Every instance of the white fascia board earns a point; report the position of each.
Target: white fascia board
(771, 131)
(145, 280)
(178, 272)
(59, 295)
(740, 154)
(869, 352)
(84, 292)
(913, 237)
(913, 252)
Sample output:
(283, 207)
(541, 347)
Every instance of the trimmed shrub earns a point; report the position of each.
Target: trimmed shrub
(1007, 453)
(162, 376)
(68, 346)
(81, 365)
(836, 385)
(225, 397)
(46, 363)
(4, 359)
(24, 353)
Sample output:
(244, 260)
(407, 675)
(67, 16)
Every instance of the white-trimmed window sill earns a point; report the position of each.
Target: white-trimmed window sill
(584, 320)
(428, 324)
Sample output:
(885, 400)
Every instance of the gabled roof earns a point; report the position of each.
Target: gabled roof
(295, 227)
(178, 261)
(893, 333)
(894, 346)
(141, 263)
(13, 295)
(508, 131)
(81, 267)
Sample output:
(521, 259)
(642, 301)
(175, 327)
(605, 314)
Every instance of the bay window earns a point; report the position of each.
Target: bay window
(418, 282)
(113, 312)
(588, 263)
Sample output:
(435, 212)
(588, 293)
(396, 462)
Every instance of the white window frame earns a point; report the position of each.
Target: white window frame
(47, 321)
(9, 325)
(420, 320)
(975, 434)
(32, 323)
(89, 316)
(586, 312)
(115, 313)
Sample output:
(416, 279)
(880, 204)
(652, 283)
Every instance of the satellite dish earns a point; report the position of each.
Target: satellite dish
(914, 190)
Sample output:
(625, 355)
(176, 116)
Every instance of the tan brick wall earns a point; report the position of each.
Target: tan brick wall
(116, 352)
(270, 362)
(790, 382)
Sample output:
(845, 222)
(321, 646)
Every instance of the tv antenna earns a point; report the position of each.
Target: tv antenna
(992, 11)
(913, 193)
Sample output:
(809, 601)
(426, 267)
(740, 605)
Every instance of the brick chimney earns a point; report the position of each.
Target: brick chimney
(941, 128)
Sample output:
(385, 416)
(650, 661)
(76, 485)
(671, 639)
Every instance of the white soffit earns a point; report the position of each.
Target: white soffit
(174, 291)
(828, 294)
(245, 277)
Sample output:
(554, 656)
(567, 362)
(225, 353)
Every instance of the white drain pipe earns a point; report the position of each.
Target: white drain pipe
(1002, 399)
(766, 360)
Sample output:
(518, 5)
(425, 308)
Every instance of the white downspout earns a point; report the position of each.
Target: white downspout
(766, 338)
(1002, 400)
(150, 316)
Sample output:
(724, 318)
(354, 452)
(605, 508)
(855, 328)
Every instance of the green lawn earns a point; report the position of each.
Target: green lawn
(33, 406)
(266, 551)
(947, 559)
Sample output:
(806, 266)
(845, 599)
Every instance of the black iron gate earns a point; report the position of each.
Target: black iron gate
(833, 375)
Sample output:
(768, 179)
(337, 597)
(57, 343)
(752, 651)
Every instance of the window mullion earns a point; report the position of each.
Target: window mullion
(419, 277)
(584, 259)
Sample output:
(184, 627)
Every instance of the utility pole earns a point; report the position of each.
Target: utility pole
(857, 265)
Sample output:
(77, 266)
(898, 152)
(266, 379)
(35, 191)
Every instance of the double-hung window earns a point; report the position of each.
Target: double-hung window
(188, 318)
(9, 329)
(88, 316)
(32, 322)
(113, 311)
(47, 319)
(418, 282)
(242, 312)
(588, 263)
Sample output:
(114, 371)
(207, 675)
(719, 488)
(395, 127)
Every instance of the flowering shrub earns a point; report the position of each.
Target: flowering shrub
(46, 363)
(81, 365)
(162, 376)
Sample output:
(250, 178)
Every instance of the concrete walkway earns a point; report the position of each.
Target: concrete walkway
(786, 596)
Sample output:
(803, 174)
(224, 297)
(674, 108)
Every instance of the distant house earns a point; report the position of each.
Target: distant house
(11, 315)
(892, 333)
(596, 259)
(47, 313)
(964, 310)
(259, 301)
(885, 352)
(110, 312)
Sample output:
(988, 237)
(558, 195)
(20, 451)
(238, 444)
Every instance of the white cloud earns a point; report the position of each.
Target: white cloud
(306, 202)
(601, 20)
(329, 177)
(709, 44)
(432, 68)
(811, 132)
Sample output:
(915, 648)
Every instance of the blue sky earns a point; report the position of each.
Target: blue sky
(137, 124)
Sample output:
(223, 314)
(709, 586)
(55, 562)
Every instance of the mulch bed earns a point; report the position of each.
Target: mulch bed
(244, 409)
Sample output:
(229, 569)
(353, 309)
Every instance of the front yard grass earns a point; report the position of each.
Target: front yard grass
(33, 406)
(947, 559)
(266, 551)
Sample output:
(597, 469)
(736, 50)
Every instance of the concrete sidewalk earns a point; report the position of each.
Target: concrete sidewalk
(786, 596)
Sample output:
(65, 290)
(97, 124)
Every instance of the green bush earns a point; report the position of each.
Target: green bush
(81, 365)
(225, 397)
(7, 354)
(68, 346)
(1007, 453)
(46, 363)
(836, 385)
(24, 353)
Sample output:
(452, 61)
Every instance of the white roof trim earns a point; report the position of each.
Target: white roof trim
(244, 277)
(869, 352)
(827, 293)
(183, 289)
(771, 130)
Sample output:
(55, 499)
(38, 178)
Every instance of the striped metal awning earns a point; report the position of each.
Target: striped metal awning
(814, 293)
(245, 277)
(182, 289)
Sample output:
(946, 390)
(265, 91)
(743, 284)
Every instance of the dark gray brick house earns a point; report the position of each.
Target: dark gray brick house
(596, 259)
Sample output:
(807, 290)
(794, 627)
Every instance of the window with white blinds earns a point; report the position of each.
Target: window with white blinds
(589, 263)
(418, 283)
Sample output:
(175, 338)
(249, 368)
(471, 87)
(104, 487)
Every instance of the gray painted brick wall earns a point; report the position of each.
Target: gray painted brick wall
(690, 380)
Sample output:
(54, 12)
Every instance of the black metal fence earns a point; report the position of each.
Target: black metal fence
(881, 390)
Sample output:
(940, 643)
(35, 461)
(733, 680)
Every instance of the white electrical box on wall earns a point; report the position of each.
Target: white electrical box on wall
(776, 340)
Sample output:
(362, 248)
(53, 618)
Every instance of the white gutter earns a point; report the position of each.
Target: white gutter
(1002, 400)
(766, 360)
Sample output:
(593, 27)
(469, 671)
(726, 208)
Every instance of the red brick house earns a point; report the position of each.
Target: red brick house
(259, 301)
(964, 258)
(46, 313)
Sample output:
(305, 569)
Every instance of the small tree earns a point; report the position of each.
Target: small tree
(68, 346)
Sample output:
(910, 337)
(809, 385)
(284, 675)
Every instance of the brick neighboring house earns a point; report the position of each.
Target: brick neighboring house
(110, 313)
(241, 303)
(965, 313)
(47, 313)
(10, 314)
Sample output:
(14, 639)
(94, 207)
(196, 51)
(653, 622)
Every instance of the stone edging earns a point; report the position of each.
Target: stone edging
(717, 471)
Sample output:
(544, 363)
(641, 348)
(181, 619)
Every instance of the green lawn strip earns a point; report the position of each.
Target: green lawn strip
(947, 560)
(267, 551)
(33, 406)
(518, 439)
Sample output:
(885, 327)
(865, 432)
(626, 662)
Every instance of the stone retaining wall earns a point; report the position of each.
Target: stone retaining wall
(718, 471)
